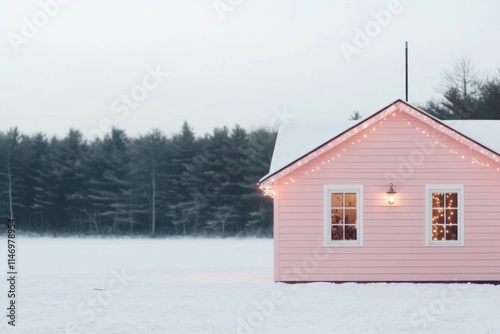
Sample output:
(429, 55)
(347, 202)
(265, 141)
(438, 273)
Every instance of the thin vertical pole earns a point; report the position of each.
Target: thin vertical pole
(406, 67)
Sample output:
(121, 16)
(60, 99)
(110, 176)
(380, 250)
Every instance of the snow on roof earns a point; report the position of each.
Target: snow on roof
(296, 139)
(486, 133)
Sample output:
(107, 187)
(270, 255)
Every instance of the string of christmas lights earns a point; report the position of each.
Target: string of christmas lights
(444, 216)
(267, 187)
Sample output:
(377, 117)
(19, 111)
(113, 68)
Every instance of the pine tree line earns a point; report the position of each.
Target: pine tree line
(465, 94)
(182, 185)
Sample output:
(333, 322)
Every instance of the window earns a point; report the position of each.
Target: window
(444, 215)
(343, 215)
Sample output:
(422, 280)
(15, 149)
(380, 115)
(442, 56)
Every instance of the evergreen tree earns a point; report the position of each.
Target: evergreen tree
(110, 187)
(465, 96)
(236, 168)
(489, 101)
(149, 170)
(205, 179)
(31, 150)
(355, 116)
(181, 200)
(152, 184)
(260, 219)
(48, 203)
(10, 173)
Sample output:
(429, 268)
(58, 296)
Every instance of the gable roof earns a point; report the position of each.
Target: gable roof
(300, 142)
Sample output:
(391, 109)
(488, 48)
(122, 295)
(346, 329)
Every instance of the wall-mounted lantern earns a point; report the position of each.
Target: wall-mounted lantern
(391, 196)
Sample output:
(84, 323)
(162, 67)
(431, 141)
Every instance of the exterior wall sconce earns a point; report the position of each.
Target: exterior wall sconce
(391, 196)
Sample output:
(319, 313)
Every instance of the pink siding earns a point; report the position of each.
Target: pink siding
(277, 238)
(394, 236)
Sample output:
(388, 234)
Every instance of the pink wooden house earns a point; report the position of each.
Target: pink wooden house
(337, 217)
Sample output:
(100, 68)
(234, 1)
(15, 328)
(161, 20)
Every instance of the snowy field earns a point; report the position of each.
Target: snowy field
(71, 285)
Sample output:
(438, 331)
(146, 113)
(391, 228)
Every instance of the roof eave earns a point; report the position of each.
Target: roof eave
(270, 175)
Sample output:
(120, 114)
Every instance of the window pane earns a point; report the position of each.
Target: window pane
(337, 200)
(451, 200)
(351, 232)
(451, 216)
(351, 216)
(452, 232)
(435, 233)
(345, 218)
(337, 232)
(437, 200)
(350, 200)
(337, 216)
(437, 216)
(445, 218)
(438, 233)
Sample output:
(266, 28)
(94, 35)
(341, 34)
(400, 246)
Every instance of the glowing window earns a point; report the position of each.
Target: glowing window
(444, 215)
(343, 215)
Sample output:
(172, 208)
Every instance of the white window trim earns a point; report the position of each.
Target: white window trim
(444, 188)
(329, 189)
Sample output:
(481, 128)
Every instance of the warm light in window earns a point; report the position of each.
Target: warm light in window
(444, 216)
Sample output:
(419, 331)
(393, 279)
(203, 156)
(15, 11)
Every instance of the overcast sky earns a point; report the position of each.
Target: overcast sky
(88, 64)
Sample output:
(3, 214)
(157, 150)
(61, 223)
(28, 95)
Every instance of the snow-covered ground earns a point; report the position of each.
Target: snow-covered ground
(69, 285)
